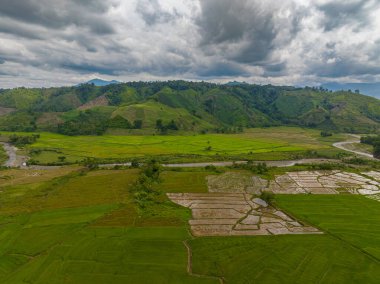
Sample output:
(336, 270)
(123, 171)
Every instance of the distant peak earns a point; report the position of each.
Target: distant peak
(235, 83)
(100, 82)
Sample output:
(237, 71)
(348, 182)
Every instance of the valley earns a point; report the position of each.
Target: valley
(184, 197)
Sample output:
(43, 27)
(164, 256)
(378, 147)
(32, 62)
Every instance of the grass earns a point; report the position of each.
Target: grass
(58, 246)
(260, 143)
(189, 181)
(83, 227)
(3, 155)
(348, 253)
(283, 259)
(352, 218)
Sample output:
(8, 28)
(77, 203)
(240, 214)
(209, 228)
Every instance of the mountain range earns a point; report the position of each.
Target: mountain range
(369, 89)
(181, 106)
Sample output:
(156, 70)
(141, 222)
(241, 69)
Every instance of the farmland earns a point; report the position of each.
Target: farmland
(261, 144)
(71, 225)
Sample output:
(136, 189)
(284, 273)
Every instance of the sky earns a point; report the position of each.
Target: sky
(289, 42)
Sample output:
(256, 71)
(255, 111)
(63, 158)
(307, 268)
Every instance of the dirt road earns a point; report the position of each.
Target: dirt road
(353, 140)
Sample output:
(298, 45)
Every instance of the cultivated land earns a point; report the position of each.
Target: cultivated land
(279, 143)
(74, 224)
(71, 225)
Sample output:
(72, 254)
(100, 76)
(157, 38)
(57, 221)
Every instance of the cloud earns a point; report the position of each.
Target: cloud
(59, 14)
(350, 12)
(152, 12)
(247, 31)
(54, 42)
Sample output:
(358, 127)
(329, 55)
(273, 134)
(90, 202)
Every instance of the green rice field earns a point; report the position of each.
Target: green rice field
(83, 227)
(261, 143)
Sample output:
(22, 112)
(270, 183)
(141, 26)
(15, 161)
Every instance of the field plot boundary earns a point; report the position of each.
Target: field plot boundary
(236, 214)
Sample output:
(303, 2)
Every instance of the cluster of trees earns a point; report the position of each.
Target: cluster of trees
(121, 122)
(91, 122)
(370, 140)
(229, 130)
(375, 142)
(163, 128)
(326, 133)
(22, 140)
(86, 123)
(144, 189)
(259, 168)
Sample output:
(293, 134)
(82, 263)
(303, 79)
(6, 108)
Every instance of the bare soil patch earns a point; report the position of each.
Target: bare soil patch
(99, 101)
(324, 182)
(239, 182)
(234, 214)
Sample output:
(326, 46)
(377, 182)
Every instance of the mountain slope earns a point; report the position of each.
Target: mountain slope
(193, 106)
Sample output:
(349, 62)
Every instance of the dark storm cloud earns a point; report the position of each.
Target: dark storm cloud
(240, 23)
(59, 14)
(222, 69)
(341, 13)
(21, 30)
(250, 27)
(85, 67)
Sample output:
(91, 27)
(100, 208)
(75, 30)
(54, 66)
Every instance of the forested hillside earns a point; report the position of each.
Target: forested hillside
(176, 106)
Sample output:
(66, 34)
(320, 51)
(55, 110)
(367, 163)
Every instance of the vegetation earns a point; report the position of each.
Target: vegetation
(68, 223)
(185, 106)
(144, 189)
(375, 142)
(256, 144)
(22, 140)
(326, 133)
(352, 218)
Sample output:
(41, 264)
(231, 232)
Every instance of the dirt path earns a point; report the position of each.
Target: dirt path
(12, 156)
(14, 160)
(354, 140)
(190, 266)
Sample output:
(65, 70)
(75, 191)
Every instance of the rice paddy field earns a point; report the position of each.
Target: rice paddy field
(82, 226)
(261, 143)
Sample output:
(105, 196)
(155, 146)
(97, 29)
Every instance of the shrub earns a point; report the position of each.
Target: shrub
(267, 196)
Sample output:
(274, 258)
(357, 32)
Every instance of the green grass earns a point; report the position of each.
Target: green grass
(283, 259)
(59, 246)
(352, 218)
(3, 155)
(348, 253)
(188, 181)
(268, 143)
(83, 227)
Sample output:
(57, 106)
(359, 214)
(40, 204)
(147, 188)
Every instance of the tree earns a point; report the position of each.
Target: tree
(61, 159)
(159, 124)
(172, 125)
(376, 150)
(137, 124)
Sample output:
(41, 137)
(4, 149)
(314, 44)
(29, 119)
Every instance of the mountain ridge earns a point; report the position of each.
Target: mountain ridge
(190, 106)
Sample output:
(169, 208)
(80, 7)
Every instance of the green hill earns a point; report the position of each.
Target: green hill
(190, 106)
